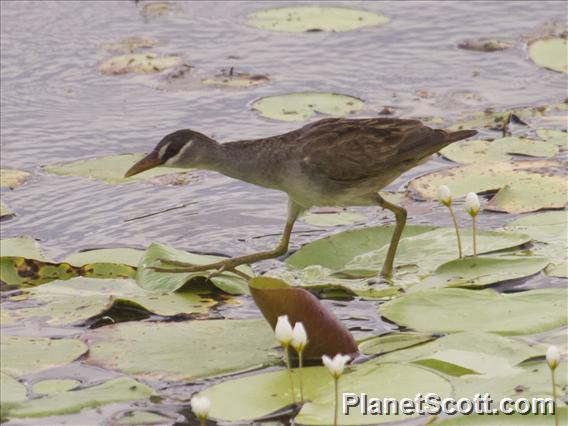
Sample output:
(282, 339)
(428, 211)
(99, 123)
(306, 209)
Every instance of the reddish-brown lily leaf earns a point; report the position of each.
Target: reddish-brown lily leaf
(326, 334)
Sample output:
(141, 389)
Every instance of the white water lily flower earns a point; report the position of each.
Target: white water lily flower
(445, 195)
(472, 204)
(335, 365)
(553, 357)
(283, 330)
(299, 337)
(200, 406)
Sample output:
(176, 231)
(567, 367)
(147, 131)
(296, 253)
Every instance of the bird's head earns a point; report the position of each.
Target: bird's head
(183, 148)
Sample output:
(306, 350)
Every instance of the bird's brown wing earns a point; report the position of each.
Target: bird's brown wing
(347, 150)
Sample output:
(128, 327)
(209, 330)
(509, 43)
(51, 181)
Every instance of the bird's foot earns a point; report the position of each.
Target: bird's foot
(216, 268)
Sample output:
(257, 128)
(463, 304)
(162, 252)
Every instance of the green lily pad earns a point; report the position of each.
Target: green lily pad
(139, 63)
(5, 211)
(301, 106)
(22, 246)
(10, 178)
(109, 169)
(483, 271)
(78, 299)
(393, 342)
(24, 355)
(480, 151)
(195, 349)
(450, 310)
(550, 53)
(120, 256)
(152, 280)
(523, 186)
(550, 229)
(130, 44)
(52, 386)
(556, 137)
(235, 79)
(11, 391)
(333, 218)
(514, 419)
(122, 389)
(314, 18)
(139, 418)
(246, 398)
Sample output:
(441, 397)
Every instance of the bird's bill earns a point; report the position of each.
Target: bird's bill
(150, 161)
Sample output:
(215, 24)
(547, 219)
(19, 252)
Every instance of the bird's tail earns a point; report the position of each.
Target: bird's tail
(461, 134)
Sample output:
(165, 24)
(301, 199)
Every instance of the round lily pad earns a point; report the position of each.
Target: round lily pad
(10, 178)
(182, 351)
(11, 390)
(301, 106)
(24, 355)
(52, 386)
(523, 186)
(450, 310)
(22, 246)
(110, 169)
(393, 342)
(140, 63)
(550, 53)
(314, 18)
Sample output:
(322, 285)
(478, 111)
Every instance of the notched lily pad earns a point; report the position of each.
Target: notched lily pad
(110, 169)
(550, 53)
(130, 44)
(301, 106)
(10, 178)
(523, 186)
(486, 44)
(139, 63)
(314, 18)
(235, 79)
(217, 347)
(450, 310)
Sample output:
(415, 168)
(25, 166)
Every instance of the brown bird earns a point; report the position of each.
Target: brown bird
(331, 162)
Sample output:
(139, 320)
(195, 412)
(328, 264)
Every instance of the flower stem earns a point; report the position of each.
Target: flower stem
(301, 361)
(202, 421)
(460, 254)
(335, 407)
(290, 373)
(474, 238)
(556, 413)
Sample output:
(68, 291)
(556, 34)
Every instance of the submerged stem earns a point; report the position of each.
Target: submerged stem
(460, 253)
(290, 373)
(474, 238)
(301, 364)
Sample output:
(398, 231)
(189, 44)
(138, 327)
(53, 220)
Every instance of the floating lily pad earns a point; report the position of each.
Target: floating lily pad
(11, 391)
(139, 63)
(109, 169)
(52, 386)
(480, 151)
(393, 342)
(246, 398)
(235, 79)
(523, 186)
(10, 178)
(130, 44)
(332, 218)
(5, 211)
(139, 418)
(483, 271)
(451, 310)
(166, 282)
(514, 419)
(22, 246)
(550, 53)
(301, 106)
(23, 355)
(122, 389)
(486, 44)
(314, 18)
(550, 229)
(556, 137)
(182, 351)
(120, 256)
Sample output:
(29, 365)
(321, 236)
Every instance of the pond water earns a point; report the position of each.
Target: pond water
(56, 107)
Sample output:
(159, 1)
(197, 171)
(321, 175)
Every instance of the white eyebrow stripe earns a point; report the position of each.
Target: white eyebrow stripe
(176, 157)
(162, 151)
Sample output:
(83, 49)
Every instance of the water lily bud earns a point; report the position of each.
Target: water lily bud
(299, 337)
(445, 195)
(200, 406)
(553, 357)
(335, 365)
(472, 204)
(283, 330)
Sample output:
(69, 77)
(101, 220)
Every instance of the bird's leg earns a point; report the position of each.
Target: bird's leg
(231, 263)
(400, 214)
